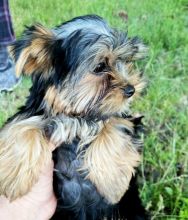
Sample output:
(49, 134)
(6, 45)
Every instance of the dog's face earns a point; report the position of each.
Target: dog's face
(87, 66)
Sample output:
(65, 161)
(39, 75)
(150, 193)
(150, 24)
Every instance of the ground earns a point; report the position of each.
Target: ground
(163, 25)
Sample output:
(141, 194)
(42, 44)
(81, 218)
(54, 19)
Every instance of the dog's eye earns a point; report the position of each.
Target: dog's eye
(100, 68)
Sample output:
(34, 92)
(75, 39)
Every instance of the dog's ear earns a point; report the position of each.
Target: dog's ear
(34, 51)
(132, 49)
(139, 49)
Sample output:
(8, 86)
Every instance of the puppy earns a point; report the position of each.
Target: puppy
(83, 82)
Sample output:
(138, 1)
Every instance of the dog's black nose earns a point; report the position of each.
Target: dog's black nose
(129, 91)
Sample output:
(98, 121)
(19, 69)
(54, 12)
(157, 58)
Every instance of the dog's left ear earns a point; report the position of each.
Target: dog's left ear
(34, 51)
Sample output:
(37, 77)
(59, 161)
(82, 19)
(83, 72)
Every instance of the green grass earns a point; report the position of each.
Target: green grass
(163, 25)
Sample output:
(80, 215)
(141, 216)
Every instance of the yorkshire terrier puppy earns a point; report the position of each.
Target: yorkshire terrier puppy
(83, 82)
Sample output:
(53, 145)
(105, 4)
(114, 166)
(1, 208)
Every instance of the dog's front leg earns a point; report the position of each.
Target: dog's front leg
(113, 156)
(24, 150)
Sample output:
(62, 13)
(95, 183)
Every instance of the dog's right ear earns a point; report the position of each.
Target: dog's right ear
(34, 51)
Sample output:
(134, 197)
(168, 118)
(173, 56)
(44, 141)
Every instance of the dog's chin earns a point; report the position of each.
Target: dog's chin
(101, 111)
(105, 115)
(122, 109)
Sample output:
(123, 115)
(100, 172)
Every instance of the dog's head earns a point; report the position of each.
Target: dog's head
(86, 66)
